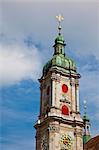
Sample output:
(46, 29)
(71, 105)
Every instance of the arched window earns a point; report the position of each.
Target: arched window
(48, 90)
(65, 110)
(64, 88)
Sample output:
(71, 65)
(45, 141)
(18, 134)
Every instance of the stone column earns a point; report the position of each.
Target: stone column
(53, 138)
(79, 141)
(53, 92)
(77, 93)
(73, 97)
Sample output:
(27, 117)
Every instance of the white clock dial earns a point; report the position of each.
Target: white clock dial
(66, 142)
(44, 143)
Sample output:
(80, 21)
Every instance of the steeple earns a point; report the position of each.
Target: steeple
(59, 46)
(59, 59)
(86, 120)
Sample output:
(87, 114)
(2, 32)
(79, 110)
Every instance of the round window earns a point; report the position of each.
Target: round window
(64, 88)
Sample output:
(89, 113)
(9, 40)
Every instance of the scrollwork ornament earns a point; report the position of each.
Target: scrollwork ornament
(55, 77)
(52, 128)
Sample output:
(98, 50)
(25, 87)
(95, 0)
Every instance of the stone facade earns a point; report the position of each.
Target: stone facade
(54, 129)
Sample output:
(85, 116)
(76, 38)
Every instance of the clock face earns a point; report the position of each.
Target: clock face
(66, 142)
(64, 88)
(44, 143)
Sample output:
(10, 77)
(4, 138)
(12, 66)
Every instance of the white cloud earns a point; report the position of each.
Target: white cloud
(18, 63)
(80, 26)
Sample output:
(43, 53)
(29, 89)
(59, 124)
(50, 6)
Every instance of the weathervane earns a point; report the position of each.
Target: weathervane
(59, 18)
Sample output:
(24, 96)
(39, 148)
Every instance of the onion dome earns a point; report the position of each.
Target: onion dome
(60, 62)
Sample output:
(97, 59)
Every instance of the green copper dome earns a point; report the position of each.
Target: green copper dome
(86, 138)
(60, 61)
(63, 63)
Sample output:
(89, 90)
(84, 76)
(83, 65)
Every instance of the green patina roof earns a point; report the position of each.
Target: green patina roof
(61, 61)
(85, 117)
(59, 39)
(86, 138)
(64, 63)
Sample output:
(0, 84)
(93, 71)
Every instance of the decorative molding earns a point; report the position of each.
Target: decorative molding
(65, 100)
(77, 82)
(66, 79)
(52, 128)
(55, 77)
(78, 133)
(72, 82)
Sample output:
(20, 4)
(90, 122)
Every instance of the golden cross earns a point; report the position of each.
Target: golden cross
(59, 18)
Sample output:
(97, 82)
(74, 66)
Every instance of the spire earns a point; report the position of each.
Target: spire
(86, 120)
(85, 108)
(59, 45)
(85, 117)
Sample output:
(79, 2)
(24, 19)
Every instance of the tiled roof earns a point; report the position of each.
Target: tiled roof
(92, 144)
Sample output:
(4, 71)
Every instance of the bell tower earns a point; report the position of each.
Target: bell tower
(59, 126)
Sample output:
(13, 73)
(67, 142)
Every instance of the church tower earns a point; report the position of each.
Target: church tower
(59, 126)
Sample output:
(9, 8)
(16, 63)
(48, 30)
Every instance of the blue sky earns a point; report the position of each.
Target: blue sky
(27, 33)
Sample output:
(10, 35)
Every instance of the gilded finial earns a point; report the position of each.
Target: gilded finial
(60, 18)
